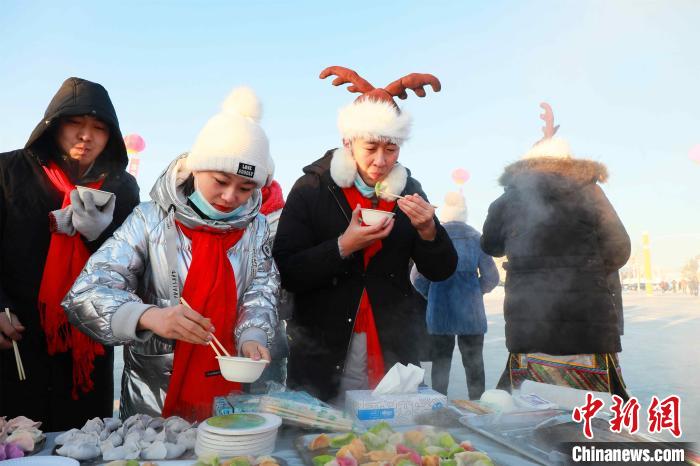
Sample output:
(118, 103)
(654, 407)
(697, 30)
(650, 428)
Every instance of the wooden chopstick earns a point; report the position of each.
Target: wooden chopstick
(212, 335)
(214, 348)
(220, 345)
(18, 359)
(403, 197)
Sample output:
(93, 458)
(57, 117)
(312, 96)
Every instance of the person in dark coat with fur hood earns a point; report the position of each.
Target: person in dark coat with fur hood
(355, 313)
(565, 244)
(47, 232)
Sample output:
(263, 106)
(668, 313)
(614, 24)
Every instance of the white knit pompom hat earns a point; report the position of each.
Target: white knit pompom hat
(232, 141)
(454, 209)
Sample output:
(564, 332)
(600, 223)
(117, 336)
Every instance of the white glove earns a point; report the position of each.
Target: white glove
(61, 221)
(89, 220)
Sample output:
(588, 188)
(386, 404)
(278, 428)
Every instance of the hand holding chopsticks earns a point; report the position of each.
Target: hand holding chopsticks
(18, 358)
(380, 190)
(177, 323)
(215, 340)
(396, 196)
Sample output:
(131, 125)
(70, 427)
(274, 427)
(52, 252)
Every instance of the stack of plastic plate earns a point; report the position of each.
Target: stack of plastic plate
(251, 434)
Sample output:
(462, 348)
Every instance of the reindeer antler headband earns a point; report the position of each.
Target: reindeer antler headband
(375, 114)
(548, 145)
(549, 130)
(398, 88)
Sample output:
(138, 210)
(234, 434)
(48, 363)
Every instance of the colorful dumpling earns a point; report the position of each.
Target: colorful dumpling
(319, 442)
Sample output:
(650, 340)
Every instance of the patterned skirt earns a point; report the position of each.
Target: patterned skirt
(592, 372)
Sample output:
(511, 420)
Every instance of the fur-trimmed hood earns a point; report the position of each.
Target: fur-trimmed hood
(577, 171)
(344, 170)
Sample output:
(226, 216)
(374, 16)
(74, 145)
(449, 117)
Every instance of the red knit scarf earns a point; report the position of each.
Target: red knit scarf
(65, 260)
(210, 288)
(272, 198)
(364, 322)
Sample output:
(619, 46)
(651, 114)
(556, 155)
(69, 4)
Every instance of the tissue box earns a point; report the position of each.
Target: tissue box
(396, 409)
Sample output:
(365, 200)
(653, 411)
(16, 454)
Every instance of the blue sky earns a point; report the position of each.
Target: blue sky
(622, 77)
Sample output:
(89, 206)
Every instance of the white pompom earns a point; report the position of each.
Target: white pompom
(243, 101)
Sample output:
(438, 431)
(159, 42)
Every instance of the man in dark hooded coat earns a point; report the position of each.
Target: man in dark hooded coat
(78, 142)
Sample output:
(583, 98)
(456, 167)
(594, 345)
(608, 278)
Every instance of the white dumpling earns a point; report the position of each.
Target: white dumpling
(134, 436)
(176, 424)
(81, 437)
(138, 425)
(115, 438)
(187, 438)
(105, 446)
(161, 436)
(156, 423)
(79, 451)
(144, 444)
(130, 420)
(132, 444)
(124, 452)
(146, 419)
(174, 450)
(66, 436)
(156, 451)
(134, 420)
(112, 423)
(170, 435)
(150, 435)
(93, 425)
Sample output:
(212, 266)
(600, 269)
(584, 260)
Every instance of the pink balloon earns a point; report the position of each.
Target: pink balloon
(460, 176)
(694, 153)
(134, 143)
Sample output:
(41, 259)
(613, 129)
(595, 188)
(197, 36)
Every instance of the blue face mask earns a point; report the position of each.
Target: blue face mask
(211, 212)
(366, 190)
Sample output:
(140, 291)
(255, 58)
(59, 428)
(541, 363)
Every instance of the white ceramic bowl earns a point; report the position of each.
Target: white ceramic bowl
(244, 370)
(373, 216)
(100, 197)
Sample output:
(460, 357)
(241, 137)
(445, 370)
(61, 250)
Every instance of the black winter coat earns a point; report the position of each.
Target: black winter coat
(26, 198)
(328, 288)
(564, 242)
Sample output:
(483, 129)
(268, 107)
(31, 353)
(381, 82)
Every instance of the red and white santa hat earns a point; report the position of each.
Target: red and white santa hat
(374, 114)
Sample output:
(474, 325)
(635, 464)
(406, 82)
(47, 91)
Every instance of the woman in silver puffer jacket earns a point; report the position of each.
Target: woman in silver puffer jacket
(131, 287)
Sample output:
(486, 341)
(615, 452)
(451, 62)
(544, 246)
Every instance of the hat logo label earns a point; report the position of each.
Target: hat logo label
(246, 169)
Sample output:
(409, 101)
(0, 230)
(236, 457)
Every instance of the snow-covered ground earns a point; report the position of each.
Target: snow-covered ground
(661, 353)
